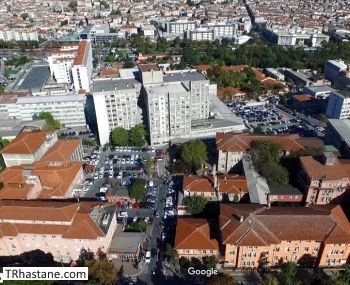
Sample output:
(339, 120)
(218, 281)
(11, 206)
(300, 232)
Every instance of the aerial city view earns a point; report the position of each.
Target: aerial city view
(175, 142)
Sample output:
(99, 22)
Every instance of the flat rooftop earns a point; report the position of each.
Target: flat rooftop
(221, 111)
(149, 67)
(49, 99)
(101, 85)
(172, 87)
(184, 76)
(320, 88)
(342, 127)
(36, 78)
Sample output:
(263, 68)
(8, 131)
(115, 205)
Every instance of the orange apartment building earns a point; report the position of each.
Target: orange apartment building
(194, 238)
(323, 179)
(252, 235)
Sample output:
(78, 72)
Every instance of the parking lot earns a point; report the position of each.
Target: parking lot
(270, 119)
(115, 166)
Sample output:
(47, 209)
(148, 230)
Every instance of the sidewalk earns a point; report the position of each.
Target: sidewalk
(128, 267)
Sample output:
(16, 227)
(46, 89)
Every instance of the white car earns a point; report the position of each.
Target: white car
(122, 214)
(148, 257)
(150, 183)
(146, 219)
(134, 220)
(96, 176)
(100, 176)
(103, 189)
(123, 161)
(120, 175)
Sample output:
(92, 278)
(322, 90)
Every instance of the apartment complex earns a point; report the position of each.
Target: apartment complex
(323, 179)
(72, 65)
(116, 105)
(18, 35)
(338, 105)
(231, 147)
(255, 235)
(173, 102)
(59, 228)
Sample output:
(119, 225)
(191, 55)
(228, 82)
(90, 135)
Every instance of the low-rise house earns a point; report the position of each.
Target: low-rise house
(256, 235)
(195, 238)
(216, 187)
(324, 178)
(60, 228)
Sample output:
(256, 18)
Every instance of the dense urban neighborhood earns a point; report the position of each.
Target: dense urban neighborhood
(175, 142)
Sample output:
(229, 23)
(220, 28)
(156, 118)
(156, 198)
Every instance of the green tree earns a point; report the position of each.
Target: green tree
(270, 280)
(24, 16)
(287, 276)
(50, 121)
(85, 255)
(138, 135)
(3, 143)
(220, 279)
(149, 165)
(102, 271)
(73, 5)
(89, 142)
(345, 274)
(170, 253)
(137, 190)
(119, 137)
(210, 261)
(64, 23)
(140, 226)
(110, 58)
(195, 204)
(266, 157)
(194, 153)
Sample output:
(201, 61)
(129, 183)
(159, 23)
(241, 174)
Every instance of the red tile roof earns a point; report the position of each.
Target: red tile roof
(25, 143)
(76, 219)
(62, 150)
(263, 226)
(192, 233)
(234, 142)
(196, 183)
(80, 58)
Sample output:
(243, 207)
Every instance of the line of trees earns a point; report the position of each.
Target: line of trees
(136, 136)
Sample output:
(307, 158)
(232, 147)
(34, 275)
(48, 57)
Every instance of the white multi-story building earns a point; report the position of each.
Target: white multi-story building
(180, 27)
(334, 68)
(18, 35)
(201, 34)
(173, 101)
(338, 105)
(116, 105)
(73, 65)
(67, 109)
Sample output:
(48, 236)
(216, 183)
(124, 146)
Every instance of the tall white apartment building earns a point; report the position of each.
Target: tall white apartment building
(173, 101)
(67, 109)
(338, 105)
(116, 105)
(180, 27)
(201, 34)
(73, 65)
(223, 30)
(18, 35)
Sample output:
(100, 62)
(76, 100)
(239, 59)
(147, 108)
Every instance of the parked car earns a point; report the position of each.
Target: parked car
(148, 257)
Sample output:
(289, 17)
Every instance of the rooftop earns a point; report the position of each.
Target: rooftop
(342, 127)
(36, 78)
(263, 226)
(149, 67)
(62, 151)
(192, 75)
(25, 143)
(101, 85)
(194, 233)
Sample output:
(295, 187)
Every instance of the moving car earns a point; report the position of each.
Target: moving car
(148, 257)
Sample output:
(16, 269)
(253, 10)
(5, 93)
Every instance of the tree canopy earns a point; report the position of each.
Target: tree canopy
(138, 135)
(221, 279)
(137, 190)
(195, 204)
(266, 157)
(119, 137)
(194, 153)
(50, 121)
